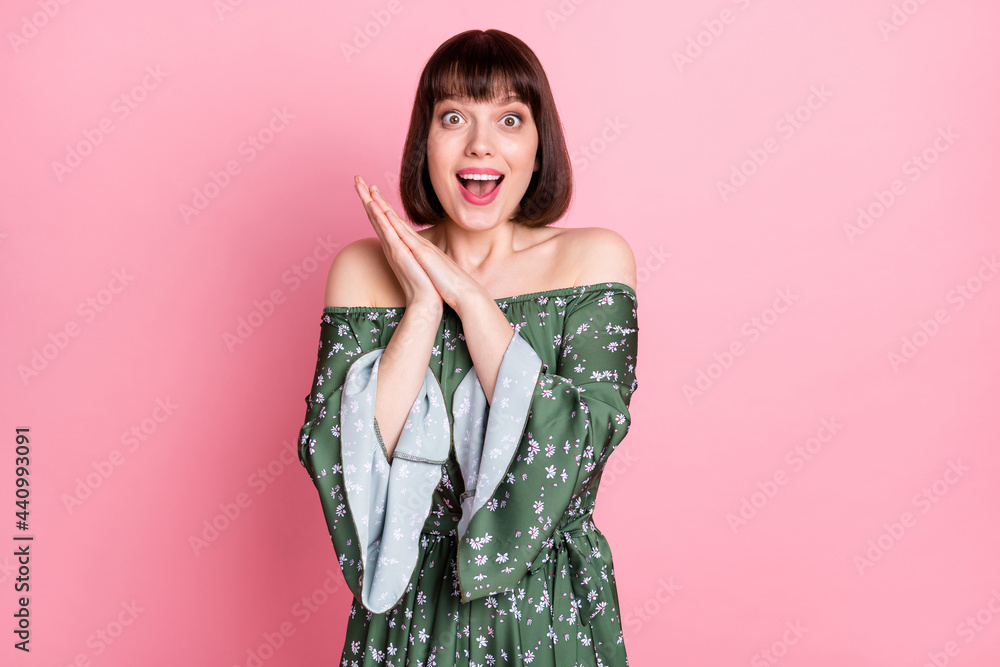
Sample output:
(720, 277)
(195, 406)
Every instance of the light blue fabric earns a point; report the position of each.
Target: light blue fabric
(389, 503)
(484, 458)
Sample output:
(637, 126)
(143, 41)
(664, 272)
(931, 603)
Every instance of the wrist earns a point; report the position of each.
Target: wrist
(432, 309)
(472, 297)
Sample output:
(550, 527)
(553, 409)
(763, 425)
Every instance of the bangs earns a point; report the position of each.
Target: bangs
(478, 70)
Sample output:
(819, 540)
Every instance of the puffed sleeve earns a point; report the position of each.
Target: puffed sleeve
(548, 434)
(374, 508)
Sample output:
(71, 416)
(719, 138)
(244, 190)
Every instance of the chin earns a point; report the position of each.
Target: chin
(484, 218)
(475, 222)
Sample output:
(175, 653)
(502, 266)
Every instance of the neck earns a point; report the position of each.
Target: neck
(476, 251)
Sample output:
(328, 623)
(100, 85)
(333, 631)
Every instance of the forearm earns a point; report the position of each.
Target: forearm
(402, 369)
(487, 335)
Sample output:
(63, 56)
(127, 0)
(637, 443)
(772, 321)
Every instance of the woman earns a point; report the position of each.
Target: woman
(457, 434)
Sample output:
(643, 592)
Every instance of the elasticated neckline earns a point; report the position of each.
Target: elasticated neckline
(558, 291)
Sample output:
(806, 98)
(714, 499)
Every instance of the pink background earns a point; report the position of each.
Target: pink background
(652, 141)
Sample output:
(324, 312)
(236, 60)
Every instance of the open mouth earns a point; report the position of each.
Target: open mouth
(479, 184)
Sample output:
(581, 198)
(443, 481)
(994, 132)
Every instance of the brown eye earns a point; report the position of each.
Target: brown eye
(448, 115)
(513, 116)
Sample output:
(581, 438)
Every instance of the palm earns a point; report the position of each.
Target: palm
(411, 275)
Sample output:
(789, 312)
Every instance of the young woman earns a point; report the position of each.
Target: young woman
(473, 378)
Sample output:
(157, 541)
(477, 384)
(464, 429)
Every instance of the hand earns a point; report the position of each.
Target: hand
(416, 285)
(448, 279)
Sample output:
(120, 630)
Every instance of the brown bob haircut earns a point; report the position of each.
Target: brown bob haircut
(485, 65)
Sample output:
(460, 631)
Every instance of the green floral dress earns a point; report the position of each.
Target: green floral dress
(476, 544)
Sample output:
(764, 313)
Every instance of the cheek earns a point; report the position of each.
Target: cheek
(526, 152)
(432, 164)
(436, 153)
(526, 160)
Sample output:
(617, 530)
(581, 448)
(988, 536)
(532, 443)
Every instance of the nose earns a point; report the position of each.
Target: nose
(480, 140)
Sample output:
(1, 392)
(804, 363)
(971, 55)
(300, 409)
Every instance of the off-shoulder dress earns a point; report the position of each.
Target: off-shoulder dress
(476, 545)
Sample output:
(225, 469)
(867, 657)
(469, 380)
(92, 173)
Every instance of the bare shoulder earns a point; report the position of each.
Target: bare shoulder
(350, 279)
(604, 256)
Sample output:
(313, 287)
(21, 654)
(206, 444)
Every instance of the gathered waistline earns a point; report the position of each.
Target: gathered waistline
(578, 551)
(576, 526)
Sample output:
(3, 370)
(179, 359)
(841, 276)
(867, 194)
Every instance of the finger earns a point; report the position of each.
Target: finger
(405, 244)
(362, 191)
(390, 230)
(365, 191)
(399, 224)
(376, 218)
(373, 219)
(390, 238)
(370, 203)
(391, 217)
(383, 211)
(397, 230)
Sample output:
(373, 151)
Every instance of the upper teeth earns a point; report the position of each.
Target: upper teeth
(480, 177)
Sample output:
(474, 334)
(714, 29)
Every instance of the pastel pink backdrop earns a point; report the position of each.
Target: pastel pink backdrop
(733, 533)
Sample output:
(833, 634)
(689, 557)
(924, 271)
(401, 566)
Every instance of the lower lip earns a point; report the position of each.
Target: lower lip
(479, 201)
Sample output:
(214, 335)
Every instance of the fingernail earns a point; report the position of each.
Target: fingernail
(376, 190)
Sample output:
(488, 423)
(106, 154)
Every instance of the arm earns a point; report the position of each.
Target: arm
(374, 510)
(547, 441)
(403, 365)
(403, 369)
(487, 333)
(556, 425)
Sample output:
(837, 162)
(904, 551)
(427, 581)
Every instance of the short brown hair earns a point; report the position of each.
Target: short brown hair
(484, 65)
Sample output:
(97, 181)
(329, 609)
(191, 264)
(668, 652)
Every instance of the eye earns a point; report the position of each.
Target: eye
(515, 116)
(445, 116)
